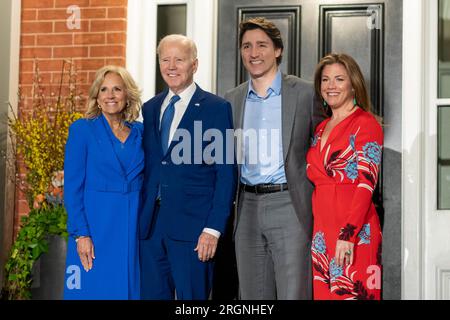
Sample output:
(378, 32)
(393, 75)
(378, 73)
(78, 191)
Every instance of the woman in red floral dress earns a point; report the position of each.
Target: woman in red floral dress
(343, 163)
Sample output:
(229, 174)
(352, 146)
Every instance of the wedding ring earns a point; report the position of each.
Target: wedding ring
(348, 253)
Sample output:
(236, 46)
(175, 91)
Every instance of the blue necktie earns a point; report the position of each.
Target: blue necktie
(166, 122)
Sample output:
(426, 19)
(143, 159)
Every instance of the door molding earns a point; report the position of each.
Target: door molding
(414, 59)
(377, 34)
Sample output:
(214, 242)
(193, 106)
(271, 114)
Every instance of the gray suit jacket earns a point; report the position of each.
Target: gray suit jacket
(301, 112)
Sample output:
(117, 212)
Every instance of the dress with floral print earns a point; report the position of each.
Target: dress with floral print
(344, 170)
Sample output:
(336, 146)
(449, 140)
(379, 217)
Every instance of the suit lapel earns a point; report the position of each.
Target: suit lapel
(187, 121)
(136, 148)
(288, 105)
(240, 107)
(104, 142)
(238, 115)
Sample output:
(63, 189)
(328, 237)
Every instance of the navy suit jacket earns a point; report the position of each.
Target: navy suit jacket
(197, 190)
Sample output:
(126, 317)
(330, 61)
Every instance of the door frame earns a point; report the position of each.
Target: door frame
(420, 278)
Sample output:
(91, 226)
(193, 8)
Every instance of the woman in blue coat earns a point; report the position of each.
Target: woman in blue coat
(103, 167)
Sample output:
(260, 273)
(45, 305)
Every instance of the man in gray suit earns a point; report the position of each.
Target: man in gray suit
(276, 114)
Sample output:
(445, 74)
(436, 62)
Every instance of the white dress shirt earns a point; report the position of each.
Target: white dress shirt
(180, 108)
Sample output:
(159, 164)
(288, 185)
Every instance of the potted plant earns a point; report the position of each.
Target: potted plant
(39, 139)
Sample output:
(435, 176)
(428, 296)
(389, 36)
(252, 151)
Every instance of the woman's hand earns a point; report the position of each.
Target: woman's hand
(344, 253)
(85, 249)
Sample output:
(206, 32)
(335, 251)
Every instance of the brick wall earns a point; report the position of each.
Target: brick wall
(46, 37)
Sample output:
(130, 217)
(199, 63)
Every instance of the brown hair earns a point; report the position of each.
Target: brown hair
(131, 112)
(354, 73)
(268, 27)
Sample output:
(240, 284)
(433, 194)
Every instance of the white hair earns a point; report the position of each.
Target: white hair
(188, 43)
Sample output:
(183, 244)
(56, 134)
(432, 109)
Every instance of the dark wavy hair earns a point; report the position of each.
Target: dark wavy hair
(268, 27)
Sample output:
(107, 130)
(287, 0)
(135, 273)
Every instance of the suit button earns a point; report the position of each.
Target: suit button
(164, 163)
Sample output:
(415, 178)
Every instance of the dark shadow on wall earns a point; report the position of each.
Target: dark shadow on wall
(392, 226)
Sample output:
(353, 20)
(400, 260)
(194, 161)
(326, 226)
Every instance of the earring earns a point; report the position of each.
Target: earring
(325, 104)
(98, 106)
(354, 101)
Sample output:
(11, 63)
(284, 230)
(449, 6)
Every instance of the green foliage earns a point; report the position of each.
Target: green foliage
(38, 143)
(30, 244)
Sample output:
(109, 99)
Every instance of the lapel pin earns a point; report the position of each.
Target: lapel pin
(197, 104)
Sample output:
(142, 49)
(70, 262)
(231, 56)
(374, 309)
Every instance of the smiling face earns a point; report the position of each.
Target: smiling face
(177, 65)
(259, 54)
(336, 87)
(112, 96)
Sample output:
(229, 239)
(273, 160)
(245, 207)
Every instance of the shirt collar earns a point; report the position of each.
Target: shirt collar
(275, 86)
(185, 95)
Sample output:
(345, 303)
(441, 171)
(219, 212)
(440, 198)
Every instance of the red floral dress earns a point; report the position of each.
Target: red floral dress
(345, 173)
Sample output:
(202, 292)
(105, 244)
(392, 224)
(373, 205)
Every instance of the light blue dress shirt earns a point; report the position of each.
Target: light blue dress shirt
(262, 142)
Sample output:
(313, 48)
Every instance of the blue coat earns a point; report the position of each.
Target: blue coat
(102, 201)
(194, 196)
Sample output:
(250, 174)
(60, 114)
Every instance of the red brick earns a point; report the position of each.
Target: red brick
(69, 52)
(116, 62)
(108, 25)
(27, 40)
(91, 77)
(89, 64)
(28, 78)
(37, 4)
(116, 38)
(37, 27)
(89, 38)
(50, 65)
(26, 66)
(108, 3)
(89, 13)
(117, 12)
(25, 90)
(23, 210)
(67, 3)
(82, 77)
(107, 51)
(42, 53)
(53, 14)
(29, 15)
(61, 26)
(54, 39)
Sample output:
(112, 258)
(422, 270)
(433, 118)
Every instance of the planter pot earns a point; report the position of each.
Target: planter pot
(48, 271)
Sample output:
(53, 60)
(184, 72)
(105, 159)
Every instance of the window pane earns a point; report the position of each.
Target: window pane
(171, 19)
(443, 158)
(444, 49)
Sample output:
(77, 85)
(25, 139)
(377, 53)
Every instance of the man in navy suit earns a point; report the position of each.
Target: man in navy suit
(190, 179)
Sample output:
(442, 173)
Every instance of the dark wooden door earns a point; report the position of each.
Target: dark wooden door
(371, 32)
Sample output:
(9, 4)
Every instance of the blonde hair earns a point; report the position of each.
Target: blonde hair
(354, 73)
(188, 43)
(131, 112)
